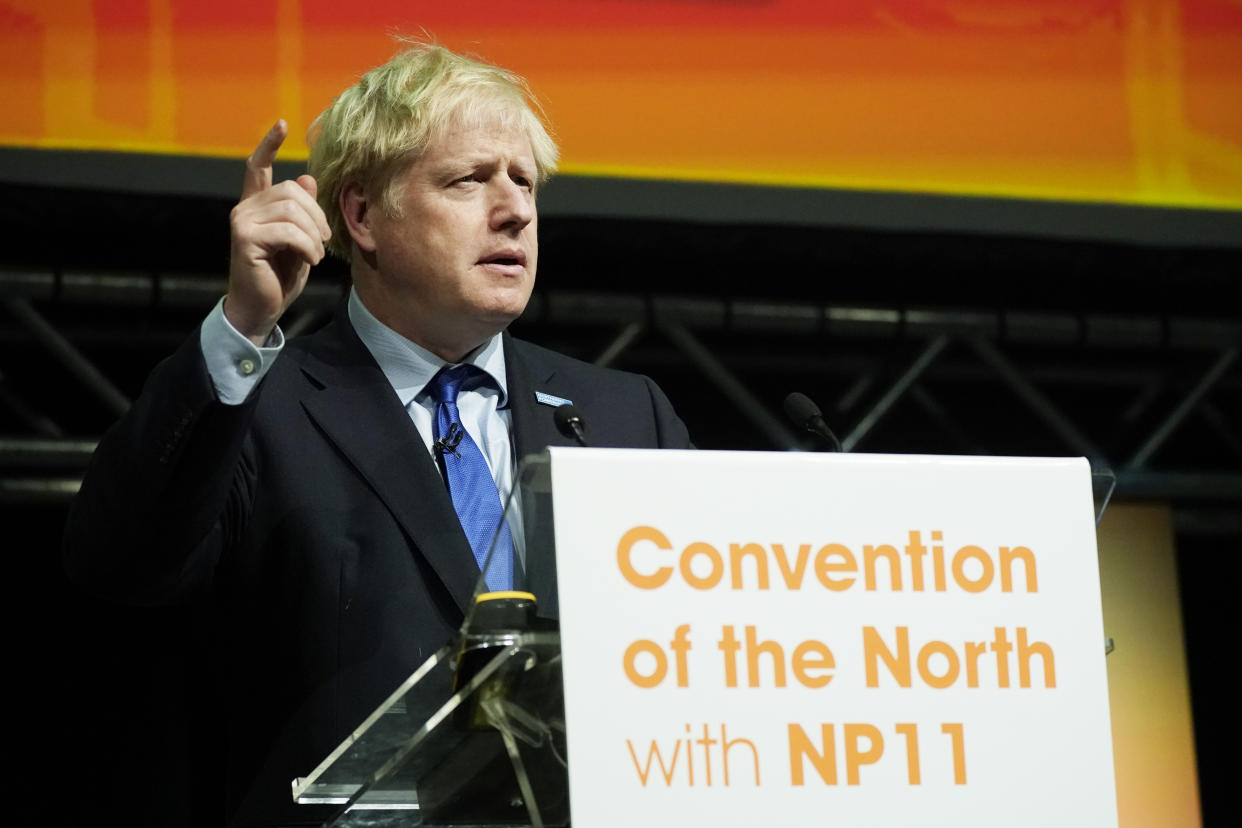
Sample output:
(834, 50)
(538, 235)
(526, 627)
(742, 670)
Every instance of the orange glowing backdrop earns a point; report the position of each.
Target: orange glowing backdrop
(1124, 101)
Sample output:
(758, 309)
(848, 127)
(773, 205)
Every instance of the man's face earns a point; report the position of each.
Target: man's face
(456, 263)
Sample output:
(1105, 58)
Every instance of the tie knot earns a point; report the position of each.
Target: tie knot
(445, 385)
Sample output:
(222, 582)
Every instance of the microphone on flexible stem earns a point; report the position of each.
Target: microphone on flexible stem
(806, 414)
(569, 423)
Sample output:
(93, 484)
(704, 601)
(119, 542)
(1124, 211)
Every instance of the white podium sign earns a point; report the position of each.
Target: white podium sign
(854, 640)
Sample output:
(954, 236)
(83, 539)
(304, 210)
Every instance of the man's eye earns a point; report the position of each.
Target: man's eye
(467, 178)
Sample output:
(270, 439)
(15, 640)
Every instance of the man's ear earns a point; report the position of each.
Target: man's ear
(356, 211)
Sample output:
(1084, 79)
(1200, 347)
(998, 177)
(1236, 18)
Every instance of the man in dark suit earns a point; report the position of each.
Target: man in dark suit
(301, 490)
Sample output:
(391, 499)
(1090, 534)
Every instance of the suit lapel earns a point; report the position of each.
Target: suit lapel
(533, 427)
(360, 414)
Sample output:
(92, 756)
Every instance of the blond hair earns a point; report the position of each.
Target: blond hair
(377, 127)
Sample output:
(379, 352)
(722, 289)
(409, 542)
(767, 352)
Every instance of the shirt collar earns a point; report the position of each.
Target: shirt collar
(409, 366)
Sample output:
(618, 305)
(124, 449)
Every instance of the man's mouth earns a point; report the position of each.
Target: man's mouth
(507, 258)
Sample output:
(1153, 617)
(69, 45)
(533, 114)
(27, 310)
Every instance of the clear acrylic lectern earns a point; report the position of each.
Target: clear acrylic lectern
(476, 736)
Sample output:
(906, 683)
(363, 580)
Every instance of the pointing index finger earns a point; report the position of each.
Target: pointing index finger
(259, 165)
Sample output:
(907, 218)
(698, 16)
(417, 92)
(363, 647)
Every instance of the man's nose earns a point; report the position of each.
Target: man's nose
(513, 207)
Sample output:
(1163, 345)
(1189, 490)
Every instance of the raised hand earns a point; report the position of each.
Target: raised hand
(278, 232)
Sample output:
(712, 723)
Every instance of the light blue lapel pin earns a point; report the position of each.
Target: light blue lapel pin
(551, 399)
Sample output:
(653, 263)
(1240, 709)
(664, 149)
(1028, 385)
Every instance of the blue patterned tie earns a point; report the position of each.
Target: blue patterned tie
(470, 482)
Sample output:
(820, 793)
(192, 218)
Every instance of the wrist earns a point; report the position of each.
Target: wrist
(255, 327)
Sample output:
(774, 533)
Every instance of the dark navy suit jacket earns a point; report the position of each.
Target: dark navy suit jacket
(317, 527)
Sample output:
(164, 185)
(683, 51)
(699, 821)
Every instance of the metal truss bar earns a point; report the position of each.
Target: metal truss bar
(1179, 413)
(854, 393)
(1176, 486)
(626, 337)
(139, 289)
(1114, 331)
(36, 421)
(890, 397)
(1179, 485)
(35, 453)
(1035, 399)
(38, 490)
(69, 356)
(775, 430)
(1142, 401)
(854, 364)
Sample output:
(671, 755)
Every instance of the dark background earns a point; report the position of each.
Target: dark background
(1114, 316)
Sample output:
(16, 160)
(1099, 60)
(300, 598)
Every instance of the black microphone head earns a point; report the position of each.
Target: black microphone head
(801, 409)
(806, 414)
(568, 422)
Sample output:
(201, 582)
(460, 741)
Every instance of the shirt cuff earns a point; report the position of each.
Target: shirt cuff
(234, 364)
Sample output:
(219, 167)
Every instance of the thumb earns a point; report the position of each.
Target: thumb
(311, 186)
(308, 183)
